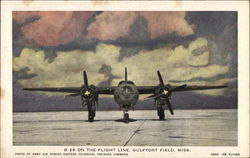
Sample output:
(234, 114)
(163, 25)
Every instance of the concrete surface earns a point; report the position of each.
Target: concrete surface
(185, 128)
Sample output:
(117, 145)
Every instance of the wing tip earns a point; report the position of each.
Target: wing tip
(224, 86)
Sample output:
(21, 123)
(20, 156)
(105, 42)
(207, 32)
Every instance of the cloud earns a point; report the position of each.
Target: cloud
(175, 64)
(54, 27)
(67, 67)
(161, 23)
(113, 25)
(22, 16)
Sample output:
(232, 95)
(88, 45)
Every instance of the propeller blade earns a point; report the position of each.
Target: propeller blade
(73, 95)
(149, 97)
(126, 74)
(179, 87)
(85, 78)
(160, 78)
(153, 96)
(170, 107)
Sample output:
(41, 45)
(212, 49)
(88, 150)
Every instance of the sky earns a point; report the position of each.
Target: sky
(52, 48)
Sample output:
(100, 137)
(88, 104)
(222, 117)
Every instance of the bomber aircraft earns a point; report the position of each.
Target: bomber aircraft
(126, 94)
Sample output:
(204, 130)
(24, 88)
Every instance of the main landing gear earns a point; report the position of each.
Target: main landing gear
(91, 110)
(160, 112)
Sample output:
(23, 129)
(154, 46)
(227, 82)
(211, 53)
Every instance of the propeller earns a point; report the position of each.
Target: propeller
(170, 107)
(160, 79)
(73, 95)
(87, 91)
(85, 79)
(165, 92)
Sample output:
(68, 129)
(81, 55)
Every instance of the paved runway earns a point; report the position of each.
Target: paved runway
(185, 128)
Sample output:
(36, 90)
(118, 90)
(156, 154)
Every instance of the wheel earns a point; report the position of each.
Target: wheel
(91, 117)
(161, 114)
(91, 114)
(126, 117)
(93, 111)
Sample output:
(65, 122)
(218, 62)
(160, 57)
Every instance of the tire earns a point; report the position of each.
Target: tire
(91, 114)
(161, 113)
(91, 117)
(126, 117)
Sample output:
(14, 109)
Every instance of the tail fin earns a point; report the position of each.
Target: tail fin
(126, 74)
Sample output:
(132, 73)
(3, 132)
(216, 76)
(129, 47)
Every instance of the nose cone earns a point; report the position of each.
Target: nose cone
(126, 94)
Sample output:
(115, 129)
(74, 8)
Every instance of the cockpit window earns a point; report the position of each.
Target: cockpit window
(126, 89)
(129, 82)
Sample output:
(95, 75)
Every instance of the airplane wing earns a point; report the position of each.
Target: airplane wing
(98, 90)
(56, 89)
(151, 89)
(192, 88)
(110, 90)
(105, 90)
(146, 89)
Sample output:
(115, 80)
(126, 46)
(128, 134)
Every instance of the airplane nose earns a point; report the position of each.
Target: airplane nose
(126, 96)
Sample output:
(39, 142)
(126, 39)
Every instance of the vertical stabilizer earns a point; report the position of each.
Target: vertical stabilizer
(126, 74)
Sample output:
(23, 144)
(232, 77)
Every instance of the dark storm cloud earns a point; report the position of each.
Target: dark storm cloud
(220, 29)
(23, 74)
(107, 70)
(138, 32)
(211, 22)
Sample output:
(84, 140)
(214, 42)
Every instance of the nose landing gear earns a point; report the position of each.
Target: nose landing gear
(126, 116)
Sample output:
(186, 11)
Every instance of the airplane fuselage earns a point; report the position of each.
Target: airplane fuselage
(126, 94)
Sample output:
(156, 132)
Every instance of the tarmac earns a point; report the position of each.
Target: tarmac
(184, 128)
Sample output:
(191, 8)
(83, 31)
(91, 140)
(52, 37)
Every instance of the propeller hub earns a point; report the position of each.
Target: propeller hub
(165, 92)
(87, 93)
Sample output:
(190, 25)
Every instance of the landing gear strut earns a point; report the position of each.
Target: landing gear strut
(125, 116)
(91, 111)
(160, 112)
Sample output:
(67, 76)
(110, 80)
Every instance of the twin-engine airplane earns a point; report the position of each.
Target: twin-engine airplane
(126, 94)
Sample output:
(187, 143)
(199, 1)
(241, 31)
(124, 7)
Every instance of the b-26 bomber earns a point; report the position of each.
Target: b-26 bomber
(126, 94)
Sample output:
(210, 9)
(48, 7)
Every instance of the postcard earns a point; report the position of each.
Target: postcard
(124, 79)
